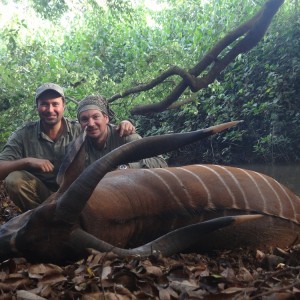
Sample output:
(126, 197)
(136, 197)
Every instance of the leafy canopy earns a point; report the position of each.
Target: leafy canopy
(108, 46)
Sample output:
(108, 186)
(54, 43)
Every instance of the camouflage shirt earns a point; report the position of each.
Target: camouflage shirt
(30, 141)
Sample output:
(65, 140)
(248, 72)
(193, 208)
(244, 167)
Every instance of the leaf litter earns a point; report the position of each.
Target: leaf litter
(236, 274)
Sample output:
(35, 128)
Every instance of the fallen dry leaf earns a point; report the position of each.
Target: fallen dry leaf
(239, 274)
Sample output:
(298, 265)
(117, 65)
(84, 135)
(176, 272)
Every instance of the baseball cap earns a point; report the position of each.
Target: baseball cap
(49, 86)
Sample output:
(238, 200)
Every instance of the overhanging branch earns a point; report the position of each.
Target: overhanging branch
(247, 36)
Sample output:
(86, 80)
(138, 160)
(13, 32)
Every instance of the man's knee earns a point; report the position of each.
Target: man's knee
(15, 180)
(25, 190)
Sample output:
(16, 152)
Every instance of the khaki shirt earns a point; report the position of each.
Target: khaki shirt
(30, 141)
(114, 141)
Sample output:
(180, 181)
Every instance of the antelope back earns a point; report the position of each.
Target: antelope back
(139, 205)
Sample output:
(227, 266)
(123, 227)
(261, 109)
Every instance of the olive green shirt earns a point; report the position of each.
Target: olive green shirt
(30, 141)
(114, 141)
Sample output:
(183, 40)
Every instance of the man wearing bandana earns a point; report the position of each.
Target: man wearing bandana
(94, 116)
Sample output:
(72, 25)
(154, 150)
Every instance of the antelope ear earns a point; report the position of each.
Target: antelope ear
(72, 164)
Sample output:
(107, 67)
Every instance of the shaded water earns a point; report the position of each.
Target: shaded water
(287, 174)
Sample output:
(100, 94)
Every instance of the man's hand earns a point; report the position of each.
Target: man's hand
(125, 128)
(43, 165)
(27, 163)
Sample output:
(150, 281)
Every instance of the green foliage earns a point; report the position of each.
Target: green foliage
(266, 90)
(90, 49)
(262, 88)
(51, 10)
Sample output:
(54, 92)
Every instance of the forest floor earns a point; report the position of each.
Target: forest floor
(238, 274)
